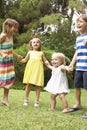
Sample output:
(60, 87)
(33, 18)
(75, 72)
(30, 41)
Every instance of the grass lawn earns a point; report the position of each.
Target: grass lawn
(19, 117)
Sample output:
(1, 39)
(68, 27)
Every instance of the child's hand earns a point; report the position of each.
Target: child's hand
(19, 57)
(70, 68)
(63, 68)
(4, 55)
(67, 68)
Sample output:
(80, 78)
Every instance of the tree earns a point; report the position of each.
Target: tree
(44, 7)
(1, 9)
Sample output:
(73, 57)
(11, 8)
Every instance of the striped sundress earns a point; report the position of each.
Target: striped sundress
(7, 73)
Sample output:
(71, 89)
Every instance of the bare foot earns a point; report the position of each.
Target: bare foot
(5, 103)
(65, 110)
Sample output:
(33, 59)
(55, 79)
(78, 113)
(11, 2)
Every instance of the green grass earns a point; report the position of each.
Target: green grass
(18, 117)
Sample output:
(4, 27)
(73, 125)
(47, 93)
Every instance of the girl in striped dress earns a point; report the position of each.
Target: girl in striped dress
(7, 73)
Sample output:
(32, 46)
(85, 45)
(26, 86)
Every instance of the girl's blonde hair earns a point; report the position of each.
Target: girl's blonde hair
(60, 56)
(8, 24)
(83, 16)
(30, 44)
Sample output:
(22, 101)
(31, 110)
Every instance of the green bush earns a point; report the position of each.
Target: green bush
(19, 67)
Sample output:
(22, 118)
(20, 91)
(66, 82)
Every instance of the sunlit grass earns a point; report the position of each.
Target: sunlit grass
(18, 117)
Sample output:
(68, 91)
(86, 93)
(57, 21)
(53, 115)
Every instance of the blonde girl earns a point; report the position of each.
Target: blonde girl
(58, 83)
(7, 73)
(34, 71)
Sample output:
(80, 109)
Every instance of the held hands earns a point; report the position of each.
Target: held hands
(19, 57)
(63, 68)
(70, 68)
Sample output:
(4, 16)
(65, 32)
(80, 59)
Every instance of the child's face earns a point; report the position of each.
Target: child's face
(13, 30)
(35, 44)
(82, 25)
(56, 61)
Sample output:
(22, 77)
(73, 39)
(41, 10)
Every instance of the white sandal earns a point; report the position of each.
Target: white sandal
(36, 104)
(25, 103)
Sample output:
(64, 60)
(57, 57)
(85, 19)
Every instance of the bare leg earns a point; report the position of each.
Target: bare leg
(64, 101)
(78, 97)
(5, 97)
(27, 91)
(37, 94)
(85, 115)
(53, 101)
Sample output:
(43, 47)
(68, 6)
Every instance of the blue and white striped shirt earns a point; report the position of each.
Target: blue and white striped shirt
(81, 60)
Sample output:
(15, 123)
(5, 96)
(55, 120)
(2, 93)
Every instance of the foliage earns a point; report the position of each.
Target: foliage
(1, 24)
(19, 67)
(62, 41)
(52, 19)
(19, 40)
(44, 7)
(75, 3)
(1, 9)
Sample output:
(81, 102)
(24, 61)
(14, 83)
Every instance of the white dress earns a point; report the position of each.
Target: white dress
(58, 82)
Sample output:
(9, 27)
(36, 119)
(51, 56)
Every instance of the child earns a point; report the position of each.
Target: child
(80, 57)
(34, 71)
(7, 74)
(58, 84)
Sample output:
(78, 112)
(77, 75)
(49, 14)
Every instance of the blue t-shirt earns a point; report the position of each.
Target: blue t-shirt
(81, 60)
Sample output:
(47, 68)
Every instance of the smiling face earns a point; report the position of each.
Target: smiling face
(81, 25)
(36, 44)
(57, 59)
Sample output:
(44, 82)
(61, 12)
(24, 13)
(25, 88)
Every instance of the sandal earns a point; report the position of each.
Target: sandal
(85, 116)
(68, 110)
(75, 108)
(36, 104)
(25, 103)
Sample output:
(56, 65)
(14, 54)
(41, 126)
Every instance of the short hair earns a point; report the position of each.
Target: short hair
(83, 16)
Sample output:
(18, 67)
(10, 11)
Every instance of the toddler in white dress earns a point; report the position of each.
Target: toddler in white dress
(58, 83)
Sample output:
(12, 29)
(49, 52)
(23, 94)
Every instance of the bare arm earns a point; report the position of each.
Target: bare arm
(71, 66)
(2, 38)
(73, 59)
(85, 41)
(63, 68)
(19, 57)
(26, 58)
(46, 62)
